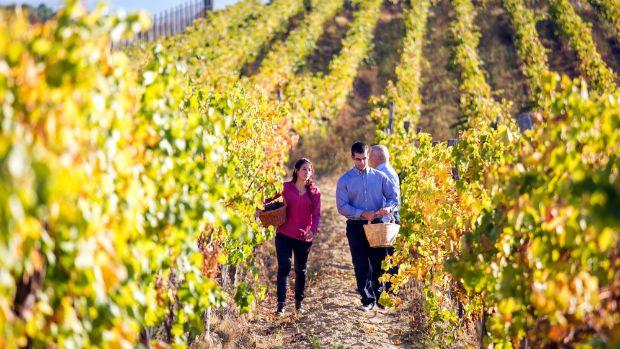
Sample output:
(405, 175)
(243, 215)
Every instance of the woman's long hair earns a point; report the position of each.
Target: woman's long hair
(310, 186)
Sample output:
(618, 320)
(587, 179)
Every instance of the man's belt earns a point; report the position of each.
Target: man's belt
(362, 221)
(357, 221)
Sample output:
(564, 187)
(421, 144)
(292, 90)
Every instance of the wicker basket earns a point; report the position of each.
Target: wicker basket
(275, 217)
(381, 234)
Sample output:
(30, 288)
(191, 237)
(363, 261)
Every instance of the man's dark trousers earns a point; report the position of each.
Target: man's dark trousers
(366, 261)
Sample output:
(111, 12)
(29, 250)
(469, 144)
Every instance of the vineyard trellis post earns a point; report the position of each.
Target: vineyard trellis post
(208, 321)
(185, 15)
(166, 23)
(181, 19)
(145, 336)
(525, 122)
(483, 327)
(455, 169)
(390, 118)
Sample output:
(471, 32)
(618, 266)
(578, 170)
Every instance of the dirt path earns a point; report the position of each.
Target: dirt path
(331, 319)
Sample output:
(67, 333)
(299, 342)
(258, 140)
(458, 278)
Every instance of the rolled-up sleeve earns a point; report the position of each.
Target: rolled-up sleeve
(389, 192)
(342, 201)
(316, 211)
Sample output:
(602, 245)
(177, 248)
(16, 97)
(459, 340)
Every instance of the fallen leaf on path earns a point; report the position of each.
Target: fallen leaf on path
(369, 329)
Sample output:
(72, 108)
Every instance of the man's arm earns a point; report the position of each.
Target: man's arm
(389, 193)
(342, 202)
(396, 184)
(396, 181)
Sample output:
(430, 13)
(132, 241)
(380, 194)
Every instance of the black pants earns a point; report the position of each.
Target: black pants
(285, 248)
(366, 262)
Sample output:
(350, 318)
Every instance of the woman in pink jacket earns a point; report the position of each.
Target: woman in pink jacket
(294, 237)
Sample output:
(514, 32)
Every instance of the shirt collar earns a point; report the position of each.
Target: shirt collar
(383, 166)
(365, 171)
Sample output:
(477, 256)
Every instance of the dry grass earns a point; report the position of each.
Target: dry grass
(226, 332)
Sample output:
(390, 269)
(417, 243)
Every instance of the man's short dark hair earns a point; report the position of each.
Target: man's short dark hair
(359, 148)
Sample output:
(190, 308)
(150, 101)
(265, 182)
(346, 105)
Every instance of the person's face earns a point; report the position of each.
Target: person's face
(360, 160)
(304, 172)
(373, 159)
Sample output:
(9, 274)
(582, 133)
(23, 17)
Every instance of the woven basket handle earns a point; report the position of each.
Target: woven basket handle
(392, 219)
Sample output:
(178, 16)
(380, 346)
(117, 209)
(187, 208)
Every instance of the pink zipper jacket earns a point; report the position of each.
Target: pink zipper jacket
(303, 212)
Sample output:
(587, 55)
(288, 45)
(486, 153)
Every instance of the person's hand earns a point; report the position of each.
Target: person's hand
(368, 215)
(306, 234)
(310, 234)
(384, 211)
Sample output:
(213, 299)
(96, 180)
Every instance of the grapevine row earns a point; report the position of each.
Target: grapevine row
(609, 10)
(531, 51)
(405, 94)
(579, 37)
(315, 97)
(539, 255)
(476, 103)
(281, 63)
(223, 60)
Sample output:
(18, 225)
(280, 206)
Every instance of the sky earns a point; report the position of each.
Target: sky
(150, 6)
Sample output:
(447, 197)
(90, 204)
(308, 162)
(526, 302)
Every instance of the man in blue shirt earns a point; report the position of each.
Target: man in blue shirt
(364, 194)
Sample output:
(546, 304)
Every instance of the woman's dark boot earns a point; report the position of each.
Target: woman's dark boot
(280, 309)
(298, 307)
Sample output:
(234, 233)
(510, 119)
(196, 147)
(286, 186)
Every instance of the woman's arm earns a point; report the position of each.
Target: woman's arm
(273, 198)
(316, 211)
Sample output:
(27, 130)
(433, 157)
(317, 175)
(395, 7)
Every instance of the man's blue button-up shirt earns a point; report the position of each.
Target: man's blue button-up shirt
(367, 190)
(393, 176)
